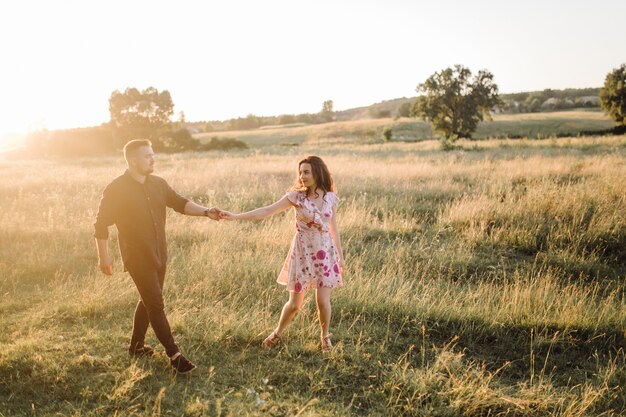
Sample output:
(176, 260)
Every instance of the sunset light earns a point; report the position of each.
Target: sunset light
(315, 208)
(62, 60)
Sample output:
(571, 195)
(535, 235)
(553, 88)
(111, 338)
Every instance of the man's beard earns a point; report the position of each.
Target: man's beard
(147, 171)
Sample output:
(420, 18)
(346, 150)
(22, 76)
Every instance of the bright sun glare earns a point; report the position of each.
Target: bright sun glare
(221, 60)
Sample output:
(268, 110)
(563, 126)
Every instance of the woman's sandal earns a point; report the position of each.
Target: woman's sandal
(327, 346)
(271, 340)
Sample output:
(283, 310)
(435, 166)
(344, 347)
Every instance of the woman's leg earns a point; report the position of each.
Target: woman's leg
(290, 309)
(322, 298)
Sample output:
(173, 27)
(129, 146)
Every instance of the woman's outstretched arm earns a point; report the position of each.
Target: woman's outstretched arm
(260, 213)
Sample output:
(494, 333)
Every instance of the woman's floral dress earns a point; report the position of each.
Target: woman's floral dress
(312, 261)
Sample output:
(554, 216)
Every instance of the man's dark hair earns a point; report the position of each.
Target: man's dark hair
(131, 147)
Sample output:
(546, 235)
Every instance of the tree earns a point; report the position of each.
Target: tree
(326, 115)
(136, 114)
(613, 95)
(454, 102)
(245, 123)
(404, 110)
(533, 102)
(286, 119)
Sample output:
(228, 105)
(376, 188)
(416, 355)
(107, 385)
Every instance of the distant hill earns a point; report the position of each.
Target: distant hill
(523, 102)
(387, 108)
(548, 100)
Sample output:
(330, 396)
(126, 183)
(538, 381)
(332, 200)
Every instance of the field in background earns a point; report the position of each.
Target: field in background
(488, 280)
(528, 125)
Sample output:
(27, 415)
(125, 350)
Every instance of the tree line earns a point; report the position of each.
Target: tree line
(251, 121)
(548, 100)
(453, 100)
(148, 114)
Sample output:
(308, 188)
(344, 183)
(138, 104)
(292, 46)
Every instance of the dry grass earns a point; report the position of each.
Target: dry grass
(483, 281)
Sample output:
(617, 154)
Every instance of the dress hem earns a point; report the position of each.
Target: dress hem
(311, 287)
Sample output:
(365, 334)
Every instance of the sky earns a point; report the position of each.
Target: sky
(61, 60)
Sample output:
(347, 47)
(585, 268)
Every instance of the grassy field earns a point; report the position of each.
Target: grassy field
(484, 281)
(528, 125)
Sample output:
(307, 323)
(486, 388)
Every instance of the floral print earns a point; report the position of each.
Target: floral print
(312, 261)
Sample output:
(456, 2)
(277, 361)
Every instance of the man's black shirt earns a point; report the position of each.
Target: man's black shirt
(139, 212)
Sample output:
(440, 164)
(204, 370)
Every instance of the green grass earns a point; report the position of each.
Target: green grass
(488, 280)
(544, 125)
(529, 125)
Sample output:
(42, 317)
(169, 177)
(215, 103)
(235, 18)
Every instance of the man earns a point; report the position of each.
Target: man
(136, 203)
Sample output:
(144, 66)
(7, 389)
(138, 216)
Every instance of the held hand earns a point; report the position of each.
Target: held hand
(342, 267)
(227, 215)
(106, 266)
(214, 214)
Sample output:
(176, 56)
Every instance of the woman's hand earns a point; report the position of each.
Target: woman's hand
(342, 266)
(227, 215)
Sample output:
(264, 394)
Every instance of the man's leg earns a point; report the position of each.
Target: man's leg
(149, 282)
(140, 326)
(141, 320)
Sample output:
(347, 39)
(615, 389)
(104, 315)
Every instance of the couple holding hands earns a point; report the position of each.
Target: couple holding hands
(136, 203)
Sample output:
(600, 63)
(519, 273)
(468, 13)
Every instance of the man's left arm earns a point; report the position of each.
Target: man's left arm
(188, 207)
(193, 209)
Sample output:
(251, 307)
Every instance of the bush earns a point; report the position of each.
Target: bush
(387, 132)
(173, 138)
(223, 144)
(405, 109)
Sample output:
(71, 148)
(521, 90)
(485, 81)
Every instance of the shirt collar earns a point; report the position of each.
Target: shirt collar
(129, 177)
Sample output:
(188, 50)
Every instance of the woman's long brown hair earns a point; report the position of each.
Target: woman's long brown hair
(321, 175)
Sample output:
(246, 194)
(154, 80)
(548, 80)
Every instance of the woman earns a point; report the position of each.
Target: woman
(315, 259)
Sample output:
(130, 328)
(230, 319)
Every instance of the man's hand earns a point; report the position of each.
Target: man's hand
(106, 266)
(214, 213)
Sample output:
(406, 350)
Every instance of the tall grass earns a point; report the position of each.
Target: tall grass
(484, 281)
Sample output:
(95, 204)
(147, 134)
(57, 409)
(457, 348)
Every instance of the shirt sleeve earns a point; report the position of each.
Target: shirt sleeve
(106, 214)
(173, 199)
(294, 197)
(334, 200)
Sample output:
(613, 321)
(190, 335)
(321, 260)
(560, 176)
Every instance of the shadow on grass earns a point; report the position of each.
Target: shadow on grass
(374, 345)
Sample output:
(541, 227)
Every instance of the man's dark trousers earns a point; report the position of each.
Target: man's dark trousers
(150, 309)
